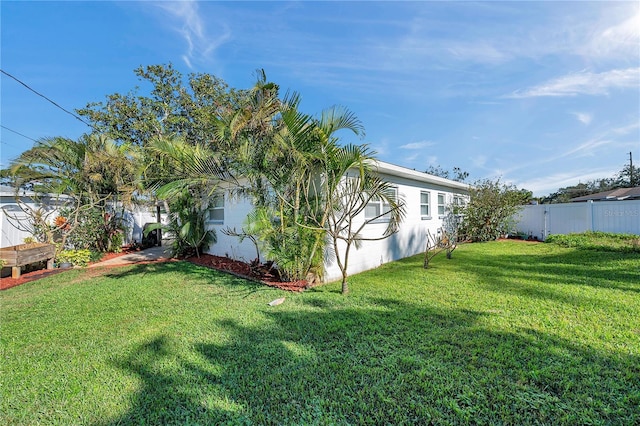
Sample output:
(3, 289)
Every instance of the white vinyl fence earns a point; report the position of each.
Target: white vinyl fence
(621, 217)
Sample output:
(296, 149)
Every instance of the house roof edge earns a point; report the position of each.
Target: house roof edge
(395, 170)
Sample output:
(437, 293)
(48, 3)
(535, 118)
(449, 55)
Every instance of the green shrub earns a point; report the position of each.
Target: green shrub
(116, 240)
(80, 257)
(596, 240)
(491, 209)
(96, 230)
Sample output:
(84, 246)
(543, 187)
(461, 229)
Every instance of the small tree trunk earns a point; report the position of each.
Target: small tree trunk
(431, 250)
(345, 285)
(343, 268)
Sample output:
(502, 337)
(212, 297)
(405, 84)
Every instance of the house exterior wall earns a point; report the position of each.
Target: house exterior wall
(607, 216)
(236, 210)
(408, 241)
(411, 237)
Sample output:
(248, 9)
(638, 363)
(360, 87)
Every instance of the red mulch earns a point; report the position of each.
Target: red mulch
(235, 267)
(26, 277)
(244, 270)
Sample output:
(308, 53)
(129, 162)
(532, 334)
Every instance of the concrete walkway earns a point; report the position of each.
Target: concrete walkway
(147, 255)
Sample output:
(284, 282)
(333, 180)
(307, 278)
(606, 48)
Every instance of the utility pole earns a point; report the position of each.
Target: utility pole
(630, 168)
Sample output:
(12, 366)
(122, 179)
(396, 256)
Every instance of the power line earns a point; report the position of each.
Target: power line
(17, 133)
(43, 96)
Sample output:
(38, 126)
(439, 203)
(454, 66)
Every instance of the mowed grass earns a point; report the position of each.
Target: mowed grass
(503, 333)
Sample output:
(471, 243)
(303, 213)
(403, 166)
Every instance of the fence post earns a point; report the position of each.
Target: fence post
(545, 232)
(590, 214)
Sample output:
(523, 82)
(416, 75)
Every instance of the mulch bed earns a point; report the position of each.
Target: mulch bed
(224, 264)
(244, 270)
(25, 277)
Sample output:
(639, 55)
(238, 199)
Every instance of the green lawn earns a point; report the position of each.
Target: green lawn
(504, 333)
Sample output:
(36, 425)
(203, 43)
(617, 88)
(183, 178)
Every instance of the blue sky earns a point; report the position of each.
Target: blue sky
(540, 94)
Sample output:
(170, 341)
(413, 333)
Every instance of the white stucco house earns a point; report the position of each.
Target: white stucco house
(426, 199)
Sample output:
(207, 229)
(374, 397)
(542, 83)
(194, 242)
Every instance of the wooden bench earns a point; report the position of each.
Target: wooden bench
(25, 254)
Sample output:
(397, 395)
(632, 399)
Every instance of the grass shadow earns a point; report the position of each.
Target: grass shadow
(197, 275)
(554, 275)
(396, 363)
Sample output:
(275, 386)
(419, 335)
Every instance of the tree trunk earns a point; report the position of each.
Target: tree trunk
(343, 268)
(345, 285)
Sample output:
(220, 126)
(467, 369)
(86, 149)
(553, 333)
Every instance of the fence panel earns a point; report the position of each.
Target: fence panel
(622, 217)
(568, 218)
(617, 216)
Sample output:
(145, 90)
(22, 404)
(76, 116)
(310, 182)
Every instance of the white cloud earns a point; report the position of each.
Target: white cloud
(588, 149)
(417, 145)
(625, 130)
(584, 83)
(553, 182)
(620, 39)
(190, 25)
(380, 148)
(593, 32)
(583, 117)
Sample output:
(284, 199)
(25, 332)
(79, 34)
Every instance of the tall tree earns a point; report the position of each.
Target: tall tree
(171, 108)
(92, 167)
(628, 177)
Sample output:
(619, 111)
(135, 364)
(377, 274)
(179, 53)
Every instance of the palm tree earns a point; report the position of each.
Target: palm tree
(290, 166)
(93, 173)
(91, 168)
(293, 163)
(349, 183)
(186, 176)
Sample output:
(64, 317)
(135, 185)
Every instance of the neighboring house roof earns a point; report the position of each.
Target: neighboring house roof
(613, 195)
(392, 169)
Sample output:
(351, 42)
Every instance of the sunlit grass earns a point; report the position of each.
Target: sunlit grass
(601, 241)
(503, 333)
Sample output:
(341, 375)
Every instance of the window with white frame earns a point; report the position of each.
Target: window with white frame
(442, 208)
(459, 200)
(216, 210)
(425, 209)
(379, 209)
